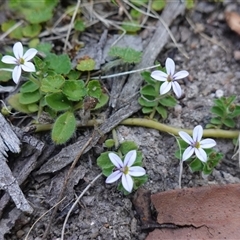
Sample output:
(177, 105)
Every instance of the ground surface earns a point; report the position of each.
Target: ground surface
(103, 212)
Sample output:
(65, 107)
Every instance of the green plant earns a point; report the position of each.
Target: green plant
(55, 88)
(225, 111)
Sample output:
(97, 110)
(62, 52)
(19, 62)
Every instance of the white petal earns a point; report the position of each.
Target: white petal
(9, 60)
(207, 143)
(159, 75)
(18, 50)
(186, 137)
(29, 54)
(113, 177)
(136, 171)
(127, 182)
(197, 133)
(116, 160)
(170, 66)
(180, 75)
(28, 67)
(177, 89)
(201, 154)
(188, 153)
(130, 158)
(16, 74)
(165, 87)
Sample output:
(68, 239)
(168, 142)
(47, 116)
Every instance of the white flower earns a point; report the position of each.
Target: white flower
(170, 78)
(196, 144)
(125, 170)
(21, 61)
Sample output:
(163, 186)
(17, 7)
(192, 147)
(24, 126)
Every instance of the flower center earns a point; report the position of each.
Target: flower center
(21, 61)
(125, 170)
(169, 78)
(197, 145)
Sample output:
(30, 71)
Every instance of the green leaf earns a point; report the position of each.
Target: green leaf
(189, 4)
(162, 111)
(138, 161)
(219, 103)
(52, 84)
(168, 101)
(44, 47)
(73, 75)
(218, 111)
(74, 90)
(94, 89)
(147, 101)
(32, 107)
(103, 100)
(16, 33)
(230, 100)
(61, 64)
(178, 154)
(147, 110)
(37, 11)
(32, 30)
(196, 165)
(105, 164)
(147, 77)
(63, 128)
(109, 143)
(148, 90)
(79, 25)
(29, 97)
(58, 102)
(211, 126)
(87, 64)
(128, 55)
(236, 111)
(40, 64)
(131, 26)
(13, 100)
(229, 122)
(139, 181)
(139, 2)
(34, 42)
(135, 14)
(183, 144)
(213, 159)
(127, 146)
(206, 170)
(29, 86)
(38, 15)
(216, 121)
(158, 5)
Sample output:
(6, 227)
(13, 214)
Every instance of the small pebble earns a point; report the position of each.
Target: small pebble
(236, 55)
(177, 110)
(219, 93)
(20, 234)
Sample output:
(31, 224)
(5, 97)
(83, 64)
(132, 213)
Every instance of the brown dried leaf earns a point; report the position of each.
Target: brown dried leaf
(233, 21)
(201, 213)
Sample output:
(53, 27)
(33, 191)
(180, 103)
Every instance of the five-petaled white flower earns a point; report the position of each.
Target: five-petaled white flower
(170, 78)
(125, 170)
(20, 60)
(196, 144)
